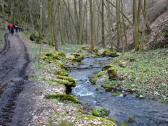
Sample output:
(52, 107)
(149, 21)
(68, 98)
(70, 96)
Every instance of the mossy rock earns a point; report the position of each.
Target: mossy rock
(85, 48)
(107, 67)
(77, 57)
(110, 85)
(112, 73)
(62, 73)
(105, 121)
(108, 52)
(53, 57)
(61, 81)
(101, 74)
(93, 80)
(65, 123)
(123, 64)
(63, 97)
(100, 112)
(69, 81)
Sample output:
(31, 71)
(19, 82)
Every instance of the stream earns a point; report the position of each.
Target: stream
(145, 112)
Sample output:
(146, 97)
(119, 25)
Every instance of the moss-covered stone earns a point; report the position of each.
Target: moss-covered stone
(112, 73)
(107, 67)
(53, 57)
(65, 123)
(62, 73)
(78, 57)
(71, 81)
(93, 80)
(67, 81)
(100, 112)
(101, 74)
(104, 121)
(63, 97)
(107, 52)
(123, 64)
(85, 48)
(110, 85)
(61, 81)
(75, 57)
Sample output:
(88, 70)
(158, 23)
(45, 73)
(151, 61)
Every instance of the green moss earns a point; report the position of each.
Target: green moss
(71, 81)
(108, 52)
(65, 123)
(77, 57)
(105, 121)
(62, 73)
(109, 85)
(112, 73)
(85, 48)
(100, 112)
(63, 97)
(123, 64)
(93, 80)
(101, 74)
(108, 67)
(53, 57)
(60, 81)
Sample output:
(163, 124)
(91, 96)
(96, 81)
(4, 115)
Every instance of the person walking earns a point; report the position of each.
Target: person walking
(11, 28)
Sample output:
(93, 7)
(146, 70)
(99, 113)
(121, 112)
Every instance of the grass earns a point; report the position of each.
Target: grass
(146, 71)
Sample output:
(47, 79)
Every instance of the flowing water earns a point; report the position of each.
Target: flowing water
(143, 112)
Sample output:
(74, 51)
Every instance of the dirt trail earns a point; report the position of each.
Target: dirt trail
(14, 61)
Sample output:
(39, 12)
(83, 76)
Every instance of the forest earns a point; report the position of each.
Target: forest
(84, 62)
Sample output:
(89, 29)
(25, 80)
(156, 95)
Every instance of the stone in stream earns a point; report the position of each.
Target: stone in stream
(100, 112)
(107, 52)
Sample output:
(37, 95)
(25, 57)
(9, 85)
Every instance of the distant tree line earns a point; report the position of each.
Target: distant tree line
(106, 23)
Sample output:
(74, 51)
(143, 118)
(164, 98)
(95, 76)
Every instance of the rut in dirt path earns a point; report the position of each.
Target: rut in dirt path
(14, 61)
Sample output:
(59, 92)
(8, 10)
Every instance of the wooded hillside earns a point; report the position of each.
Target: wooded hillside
(110, 23)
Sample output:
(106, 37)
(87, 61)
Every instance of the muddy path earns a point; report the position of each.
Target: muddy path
(14, 61)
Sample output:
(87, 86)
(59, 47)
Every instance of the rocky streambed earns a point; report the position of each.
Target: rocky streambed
(126, 110)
